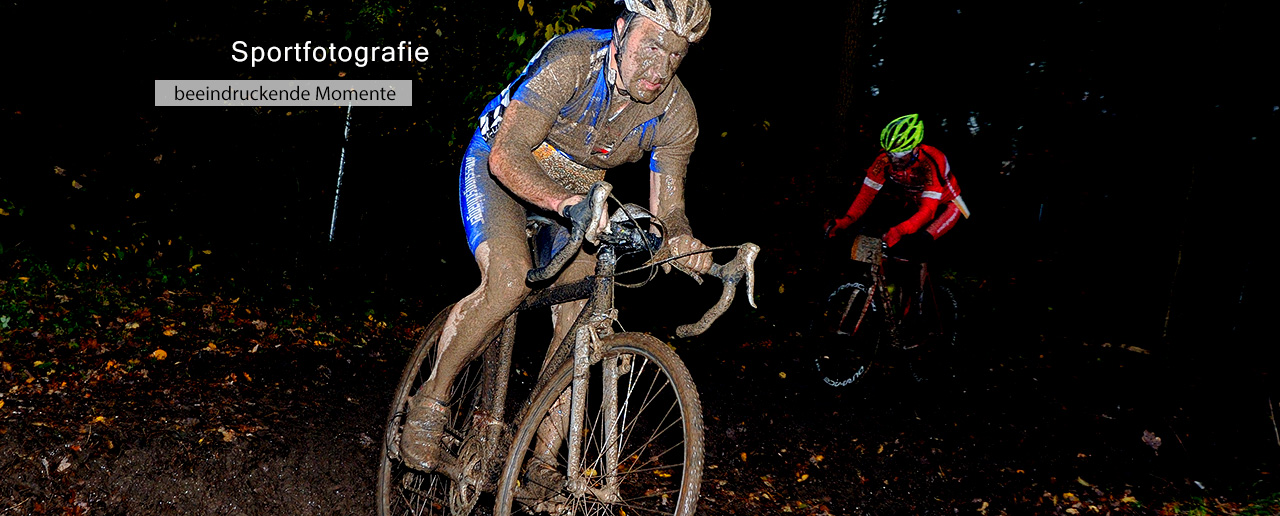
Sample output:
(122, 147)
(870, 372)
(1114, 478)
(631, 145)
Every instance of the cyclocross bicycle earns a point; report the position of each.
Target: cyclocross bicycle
(859, 315)
(613, 424)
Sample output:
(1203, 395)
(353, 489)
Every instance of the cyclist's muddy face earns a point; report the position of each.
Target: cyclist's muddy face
(650, 56)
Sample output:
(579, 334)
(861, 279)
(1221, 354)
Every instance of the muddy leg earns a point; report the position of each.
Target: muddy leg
(503, 259)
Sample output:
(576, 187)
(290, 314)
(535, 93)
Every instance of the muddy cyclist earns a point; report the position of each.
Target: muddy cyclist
(588, 101)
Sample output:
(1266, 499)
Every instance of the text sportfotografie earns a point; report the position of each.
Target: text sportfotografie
(304, 52)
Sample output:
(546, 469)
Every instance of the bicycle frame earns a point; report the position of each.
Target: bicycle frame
(871, 250)
(566, 443)
(593, 323)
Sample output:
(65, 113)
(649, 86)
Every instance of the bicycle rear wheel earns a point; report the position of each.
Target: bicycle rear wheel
(406, 491)
(930, 319)
(642, 441)
(847, 330)
(929, 329)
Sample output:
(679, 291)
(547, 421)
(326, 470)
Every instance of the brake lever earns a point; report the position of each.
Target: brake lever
(597, 196)
(743, 265)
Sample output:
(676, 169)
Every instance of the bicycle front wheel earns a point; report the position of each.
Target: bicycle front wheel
(847, 330)
(641, 446)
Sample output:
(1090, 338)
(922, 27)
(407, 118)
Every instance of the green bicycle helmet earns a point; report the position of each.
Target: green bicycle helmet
(902, 134)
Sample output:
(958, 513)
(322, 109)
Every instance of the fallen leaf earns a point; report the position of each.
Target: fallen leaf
(803, 477)
(744, 456)
(159, 354)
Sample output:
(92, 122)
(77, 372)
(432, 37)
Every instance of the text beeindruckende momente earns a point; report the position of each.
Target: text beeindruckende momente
(296, 93)
(304, 53)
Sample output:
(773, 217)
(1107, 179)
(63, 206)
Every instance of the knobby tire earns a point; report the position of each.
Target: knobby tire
(848, 336)
(660, 442)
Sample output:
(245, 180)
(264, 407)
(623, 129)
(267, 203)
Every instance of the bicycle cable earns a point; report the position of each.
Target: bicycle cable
(653, 272)
(650, 264)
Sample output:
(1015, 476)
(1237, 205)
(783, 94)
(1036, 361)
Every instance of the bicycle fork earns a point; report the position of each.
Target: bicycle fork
(599, 321)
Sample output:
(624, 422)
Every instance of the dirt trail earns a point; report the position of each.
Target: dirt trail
(1030, 426)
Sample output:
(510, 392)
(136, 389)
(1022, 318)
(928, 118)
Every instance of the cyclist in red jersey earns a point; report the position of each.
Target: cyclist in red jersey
(917, 186)
(918, 174)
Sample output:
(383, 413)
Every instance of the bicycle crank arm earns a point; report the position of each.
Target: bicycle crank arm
(743, 265)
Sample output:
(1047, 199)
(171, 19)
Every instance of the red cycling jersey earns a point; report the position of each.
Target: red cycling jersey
(927, 180)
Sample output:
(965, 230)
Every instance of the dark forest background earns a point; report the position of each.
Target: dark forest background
(1116, 156)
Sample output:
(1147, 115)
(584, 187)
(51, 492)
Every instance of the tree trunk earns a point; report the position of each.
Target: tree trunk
(846, 125)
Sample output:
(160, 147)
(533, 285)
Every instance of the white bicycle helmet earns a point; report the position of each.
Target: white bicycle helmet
(687, 18)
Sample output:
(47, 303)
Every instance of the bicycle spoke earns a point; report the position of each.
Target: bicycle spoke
(646, 432)
(636, 471)
(653, 437)
(417, 498)
(648, 398)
